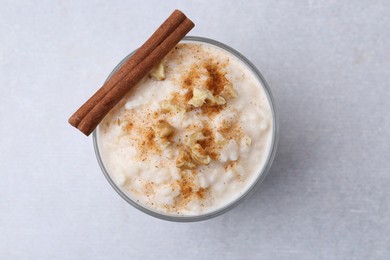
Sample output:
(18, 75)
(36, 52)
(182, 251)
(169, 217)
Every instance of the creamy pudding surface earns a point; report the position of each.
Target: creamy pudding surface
(193, 136)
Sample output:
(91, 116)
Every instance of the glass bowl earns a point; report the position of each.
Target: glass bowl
(261, 176)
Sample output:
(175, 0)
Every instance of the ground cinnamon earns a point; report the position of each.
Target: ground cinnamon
(88, 116)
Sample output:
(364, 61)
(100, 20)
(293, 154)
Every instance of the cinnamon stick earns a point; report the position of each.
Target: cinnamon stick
(96, 115)
(89, 115)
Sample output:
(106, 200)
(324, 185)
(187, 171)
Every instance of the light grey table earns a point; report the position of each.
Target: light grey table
(327, 195)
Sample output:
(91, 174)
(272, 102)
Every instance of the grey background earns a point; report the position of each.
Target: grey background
(327, 195)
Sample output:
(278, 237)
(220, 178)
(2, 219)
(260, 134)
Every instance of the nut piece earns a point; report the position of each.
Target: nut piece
(190, 156)
(184, 159)
(158, 72)
(163, 129)
(198, 154)
(229, 91)
(200, 95)
(195, 137)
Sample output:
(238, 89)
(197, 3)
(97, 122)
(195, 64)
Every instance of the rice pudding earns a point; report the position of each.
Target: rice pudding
(193, 136)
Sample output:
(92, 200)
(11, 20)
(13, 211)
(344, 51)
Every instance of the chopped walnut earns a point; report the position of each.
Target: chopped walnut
(229, 91)
(195, 137)
(200, 95)
(158, 72)
(194, 154)
(197, 152)
(199, 155)
(163, 129)
(184, 159)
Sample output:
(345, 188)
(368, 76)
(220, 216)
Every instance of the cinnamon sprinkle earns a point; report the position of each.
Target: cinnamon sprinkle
(201, 193)
(211, 110)
(146, 142)
(234, 132)
(143, 135)
(216, 80)
(209, 144)
(186, 187)
(128, 127)
(189, 191)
